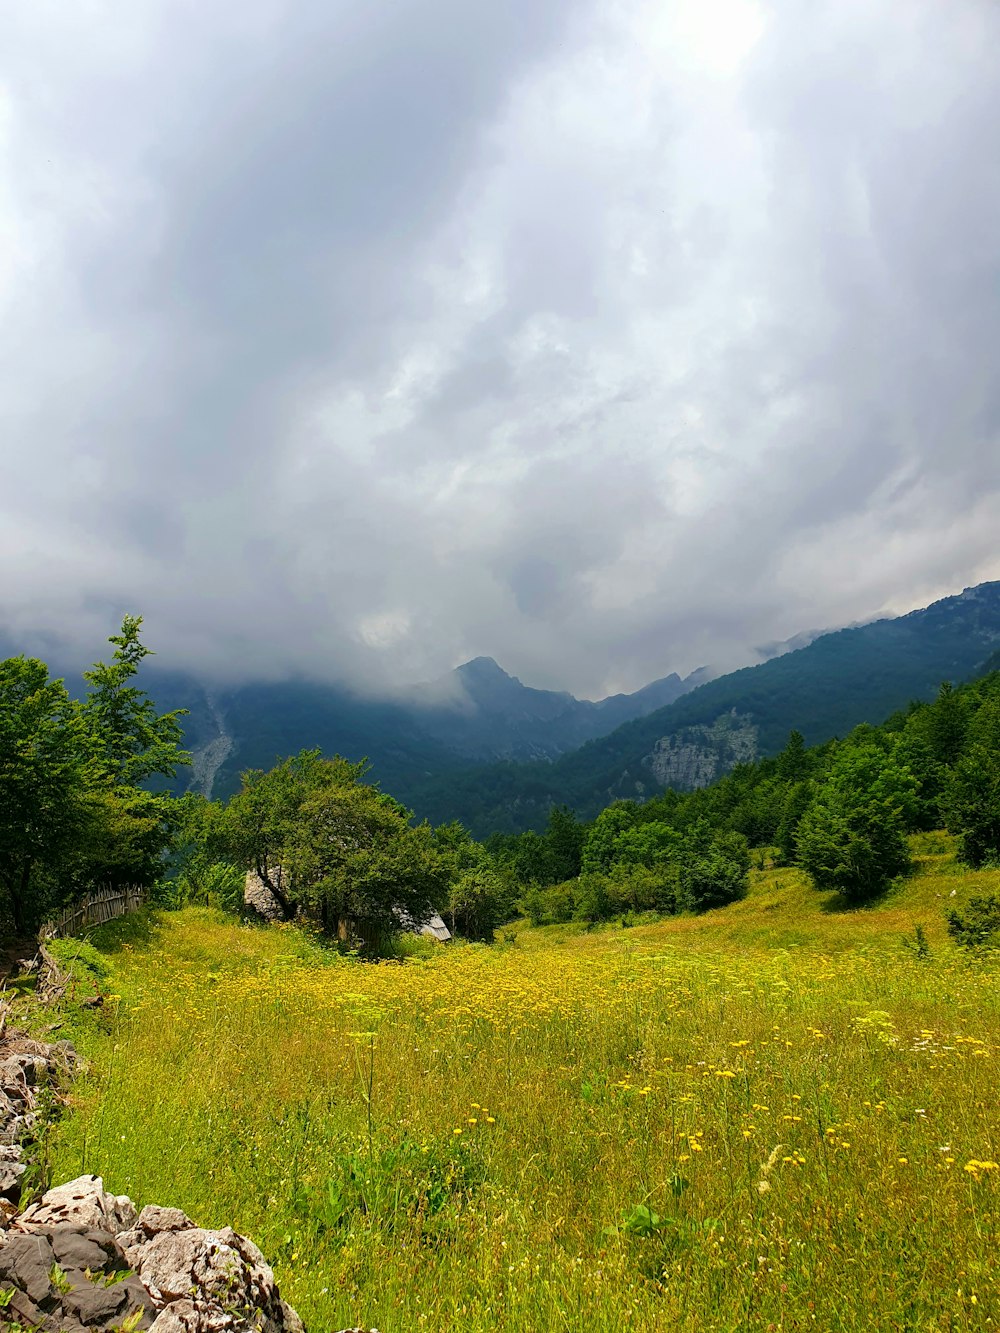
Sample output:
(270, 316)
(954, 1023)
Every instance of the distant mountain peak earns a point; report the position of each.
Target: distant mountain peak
(483, 668)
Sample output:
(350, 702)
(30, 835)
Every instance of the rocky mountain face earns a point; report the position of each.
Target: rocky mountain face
(695, 756)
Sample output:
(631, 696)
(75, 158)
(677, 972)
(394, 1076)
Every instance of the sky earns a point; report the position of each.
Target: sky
(605, 339)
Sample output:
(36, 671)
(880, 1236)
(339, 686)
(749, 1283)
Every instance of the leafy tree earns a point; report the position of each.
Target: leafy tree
(642, 888)
(972, 795)
(321, 839)
(259, 825)
(44, 774)
(130, 740)
(564, 835)
(480, 900)
(875, 773)
(797, 802)
(599, 847)
(353, 857)
(714, 870)
(947, 719)
(793, 762)
(593, 900)
(852, 841)
(650, 845)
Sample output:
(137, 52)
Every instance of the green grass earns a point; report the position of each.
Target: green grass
(774, 1116)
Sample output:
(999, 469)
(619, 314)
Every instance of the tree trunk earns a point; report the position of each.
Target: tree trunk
(278, 893)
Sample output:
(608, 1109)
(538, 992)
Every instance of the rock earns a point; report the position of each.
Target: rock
(23, 1310)
(80, 1203)
(26, 1262)
(96, 1250)
(14, 1129)
(10, 1178)
(59, 1258)
(93, 1303)
(154, 1220)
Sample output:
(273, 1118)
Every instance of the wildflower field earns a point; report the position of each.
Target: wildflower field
(775, 1116)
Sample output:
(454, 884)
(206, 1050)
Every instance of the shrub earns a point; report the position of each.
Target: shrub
(978, 926)
(972, 804)
(714, 872)
(219, 884)
(480, 900)
(593, 898)
(853, 844)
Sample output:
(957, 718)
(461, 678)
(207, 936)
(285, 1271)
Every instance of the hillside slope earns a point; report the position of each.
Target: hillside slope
(839, 681)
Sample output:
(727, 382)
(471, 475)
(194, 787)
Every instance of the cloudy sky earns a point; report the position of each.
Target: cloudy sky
(604, 339)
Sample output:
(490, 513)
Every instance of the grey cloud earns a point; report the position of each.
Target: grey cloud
(360, 341)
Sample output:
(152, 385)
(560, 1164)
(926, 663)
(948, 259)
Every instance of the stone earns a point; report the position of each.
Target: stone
(96, 1250)
(11, 1170)
(80, 1203)
(23, 1310)
(153, 1220)
(26, 1262)
(93, 1302)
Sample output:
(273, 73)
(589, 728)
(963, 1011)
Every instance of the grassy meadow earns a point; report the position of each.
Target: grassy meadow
(774, 1116)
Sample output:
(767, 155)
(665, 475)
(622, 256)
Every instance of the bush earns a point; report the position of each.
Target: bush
(715, 871)
(972, 804)
(593, 898)
(853, 844)
(480, 900)
(551, 906)
(979, 926)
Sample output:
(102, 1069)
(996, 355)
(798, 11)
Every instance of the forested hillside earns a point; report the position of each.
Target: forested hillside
(841, 811)
(840, 680)
(477, 713)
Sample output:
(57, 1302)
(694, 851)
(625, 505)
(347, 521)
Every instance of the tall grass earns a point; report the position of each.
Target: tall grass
(772, 1117)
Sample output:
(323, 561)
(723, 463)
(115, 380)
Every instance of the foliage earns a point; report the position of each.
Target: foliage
(977, 926)
(480, 900)
(714, 870)
(130, 740)
(217, 884)
(326, 842)
(353, 857)
(72, 812)
(44, 775)
(852, 844)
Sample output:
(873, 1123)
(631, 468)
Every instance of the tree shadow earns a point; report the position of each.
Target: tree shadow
(837, 904)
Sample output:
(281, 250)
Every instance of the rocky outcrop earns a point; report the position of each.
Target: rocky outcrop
(697, 755)
(82, 1258)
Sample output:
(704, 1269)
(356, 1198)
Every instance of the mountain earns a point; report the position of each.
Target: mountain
(825, 689)
(476, 714)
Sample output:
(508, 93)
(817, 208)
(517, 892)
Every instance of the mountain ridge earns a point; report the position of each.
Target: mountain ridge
(838, 681)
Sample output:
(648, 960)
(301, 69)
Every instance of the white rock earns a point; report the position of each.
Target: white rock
(83, 1202)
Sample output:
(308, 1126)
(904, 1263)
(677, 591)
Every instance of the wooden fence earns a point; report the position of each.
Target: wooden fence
(93, 910)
